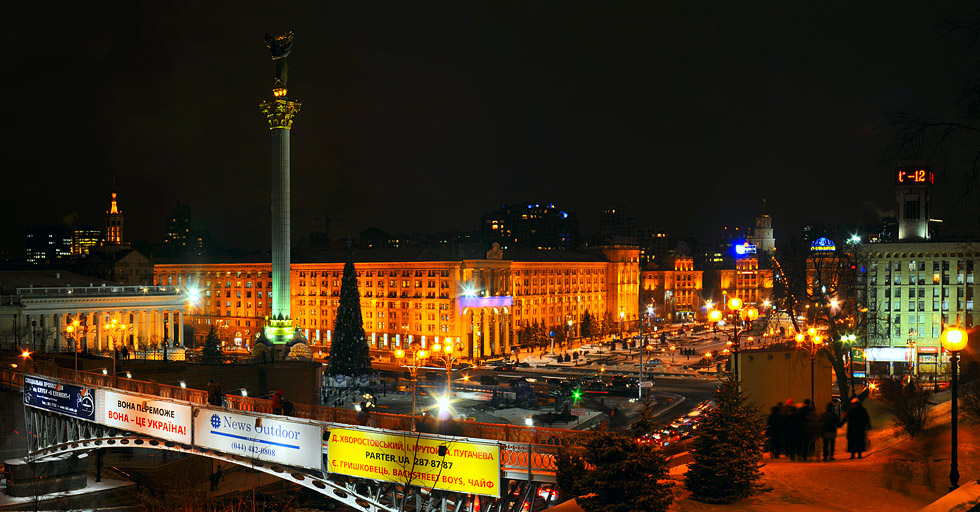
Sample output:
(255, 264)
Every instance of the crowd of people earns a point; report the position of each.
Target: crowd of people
(793, 430)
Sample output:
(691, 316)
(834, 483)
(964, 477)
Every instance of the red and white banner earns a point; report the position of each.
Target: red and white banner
(135, 413)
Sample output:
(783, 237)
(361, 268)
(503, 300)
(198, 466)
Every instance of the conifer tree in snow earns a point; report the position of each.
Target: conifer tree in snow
(615, 474)
(727, 449)
(211, 353)
(349, 349)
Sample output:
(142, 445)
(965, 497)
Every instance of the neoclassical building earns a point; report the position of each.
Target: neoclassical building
(424, 295)
(52, 310)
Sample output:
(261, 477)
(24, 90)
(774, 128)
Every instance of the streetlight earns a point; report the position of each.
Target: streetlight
(445, 352)
(954, 339)
(418, 355)
(73, 331)
(115, 328)
(849, 340)
(622, 315)
(740, 311)
(672, 349)
(815, 342)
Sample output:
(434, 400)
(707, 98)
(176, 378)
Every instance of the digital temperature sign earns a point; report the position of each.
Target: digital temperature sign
(914, 176)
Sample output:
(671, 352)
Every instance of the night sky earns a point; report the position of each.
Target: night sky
(419, 118)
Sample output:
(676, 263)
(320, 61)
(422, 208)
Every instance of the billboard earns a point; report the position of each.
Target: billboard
(137, 413)
(266, 438)
(406, 458)
(60, 398)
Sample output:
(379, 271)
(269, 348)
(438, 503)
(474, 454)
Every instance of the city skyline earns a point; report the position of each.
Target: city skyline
(422, 121)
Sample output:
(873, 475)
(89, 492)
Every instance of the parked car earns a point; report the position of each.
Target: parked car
(508, 367)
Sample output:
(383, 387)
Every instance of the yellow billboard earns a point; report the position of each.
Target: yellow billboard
(410, 459)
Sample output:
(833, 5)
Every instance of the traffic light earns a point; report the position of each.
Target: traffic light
(576, 394)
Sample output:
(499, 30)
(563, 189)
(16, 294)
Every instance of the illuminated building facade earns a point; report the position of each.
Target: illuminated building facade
(675, 294)
(914, 289)
(746, 281)
(421, 294)
(83, 240)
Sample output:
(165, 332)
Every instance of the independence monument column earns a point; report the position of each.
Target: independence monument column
(280, 111)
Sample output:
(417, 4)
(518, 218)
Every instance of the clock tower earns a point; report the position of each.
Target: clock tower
(912, 183)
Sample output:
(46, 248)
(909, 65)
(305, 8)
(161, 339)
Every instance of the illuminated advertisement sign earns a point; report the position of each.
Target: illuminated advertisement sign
(265, 438)
(61, 398)
(743, 249)
(823, 244)
(161, 419)
(407, 459)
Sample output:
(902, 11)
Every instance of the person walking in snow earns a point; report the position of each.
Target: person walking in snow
(828, 431)
(858, 425)
(774, 431)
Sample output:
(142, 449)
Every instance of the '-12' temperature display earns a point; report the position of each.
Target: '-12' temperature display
(914, 176)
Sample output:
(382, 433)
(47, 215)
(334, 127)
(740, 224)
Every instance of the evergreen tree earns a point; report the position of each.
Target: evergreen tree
(626, 476)
(212, 347)
(349, 350)
(609, 325)
(587, 325)
(727, 449)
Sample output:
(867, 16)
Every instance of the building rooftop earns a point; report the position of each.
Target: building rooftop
(11, 280)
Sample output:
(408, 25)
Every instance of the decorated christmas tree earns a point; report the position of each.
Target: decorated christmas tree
(211, 353)
(727, 449)
(349, 350)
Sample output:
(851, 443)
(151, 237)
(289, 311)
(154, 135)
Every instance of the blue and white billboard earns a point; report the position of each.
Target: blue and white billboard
(59, 397)
(267, 438)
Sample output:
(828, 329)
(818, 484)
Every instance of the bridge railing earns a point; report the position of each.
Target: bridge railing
(137, 386)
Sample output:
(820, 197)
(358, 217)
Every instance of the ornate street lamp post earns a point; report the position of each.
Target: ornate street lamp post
(815, 343)
(954, 340)
(445, 352)
(737, 310)
(73, 331)
(418, 355)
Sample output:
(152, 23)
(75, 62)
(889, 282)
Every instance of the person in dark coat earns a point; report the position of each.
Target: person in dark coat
(828, 431)
(794, 430)
(858, 425)
(774, 431)
(811, 431)
(787, 432)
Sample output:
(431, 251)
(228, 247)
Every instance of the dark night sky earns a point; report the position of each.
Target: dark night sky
(419, 119)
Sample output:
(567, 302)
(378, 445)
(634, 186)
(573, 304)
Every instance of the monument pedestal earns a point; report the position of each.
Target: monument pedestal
(46, 475)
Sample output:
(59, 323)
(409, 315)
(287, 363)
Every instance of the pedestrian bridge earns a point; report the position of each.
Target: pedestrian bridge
(373, 463)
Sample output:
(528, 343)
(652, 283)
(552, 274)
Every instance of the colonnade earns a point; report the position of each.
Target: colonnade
(488, 332)
(105, 330)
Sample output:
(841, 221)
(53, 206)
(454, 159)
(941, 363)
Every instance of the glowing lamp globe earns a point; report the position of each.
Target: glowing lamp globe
(714, 315)
(817, 340)
(750, 314)
(448, 348)
(735, 303)
(399, 353)
(422, 354)
(799, 338)
(437, 347)
(953, 339)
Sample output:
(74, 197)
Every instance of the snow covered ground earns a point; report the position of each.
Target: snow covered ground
(898, 474)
